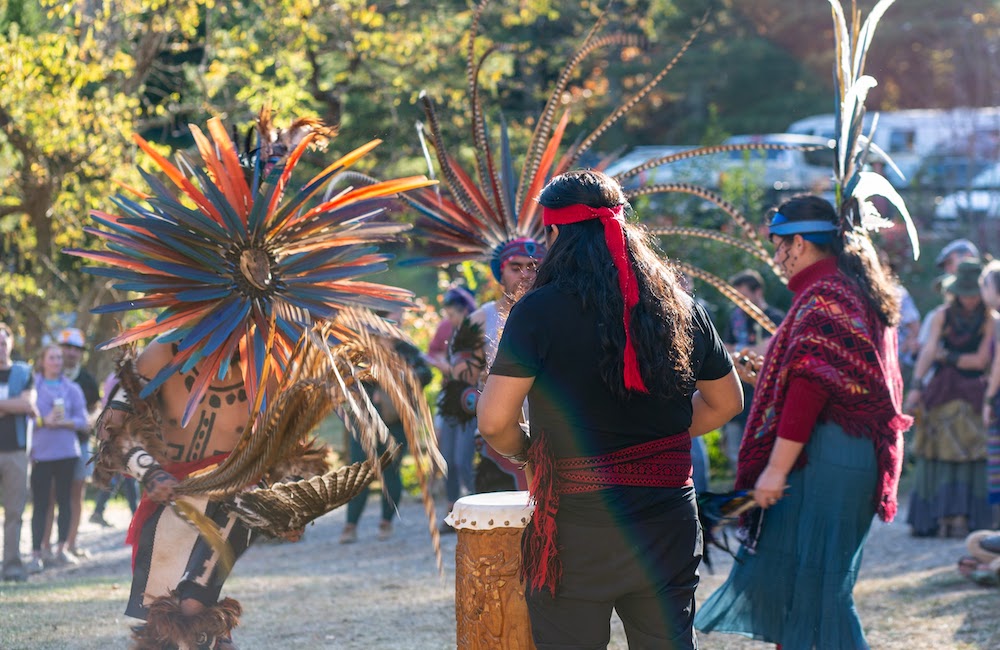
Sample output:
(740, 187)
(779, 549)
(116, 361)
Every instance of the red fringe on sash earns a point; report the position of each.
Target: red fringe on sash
(661, 463)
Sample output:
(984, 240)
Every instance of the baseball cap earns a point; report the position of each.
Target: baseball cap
(72, 336)
(957, 246)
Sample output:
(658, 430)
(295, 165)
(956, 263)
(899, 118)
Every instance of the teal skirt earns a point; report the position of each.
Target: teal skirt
(796, 589)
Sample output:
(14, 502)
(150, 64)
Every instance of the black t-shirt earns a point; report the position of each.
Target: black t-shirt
(91, 391)
(8, 423)
(551, 337)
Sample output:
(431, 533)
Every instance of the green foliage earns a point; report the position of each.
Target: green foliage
(80, 77)
(718, 464)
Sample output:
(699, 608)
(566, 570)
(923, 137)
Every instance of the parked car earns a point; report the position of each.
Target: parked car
(784, 170)
(944, 173)
(981, 199)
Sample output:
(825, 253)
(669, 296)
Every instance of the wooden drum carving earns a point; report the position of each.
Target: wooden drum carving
(489, 596)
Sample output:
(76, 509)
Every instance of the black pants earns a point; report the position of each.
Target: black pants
(42, 474)
(647, 571)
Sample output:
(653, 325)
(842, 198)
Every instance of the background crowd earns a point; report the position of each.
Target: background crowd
(947, 359)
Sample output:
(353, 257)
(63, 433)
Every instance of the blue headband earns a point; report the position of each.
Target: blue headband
(818, 232)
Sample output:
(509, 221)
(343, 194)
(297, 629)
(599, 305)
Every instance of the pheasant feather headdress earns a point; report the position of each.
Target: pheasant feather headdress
(496, 204)
(239, 261)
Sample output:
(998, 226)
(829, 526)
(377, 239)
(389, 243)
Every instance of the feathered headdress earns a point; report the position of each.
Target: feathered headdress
(854, 186)
(236, 260)
(242, 265)
(484, 211)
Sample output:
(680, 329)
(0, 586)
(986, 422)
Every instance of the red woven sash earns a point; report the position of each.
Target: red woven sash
(662, 463)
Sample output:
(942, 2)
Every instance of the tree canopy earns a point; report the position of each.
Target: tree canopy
(80, 76)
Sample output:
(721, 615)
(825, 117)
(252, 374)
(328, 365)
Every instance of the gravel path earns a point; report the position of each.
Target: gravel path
(320, 594)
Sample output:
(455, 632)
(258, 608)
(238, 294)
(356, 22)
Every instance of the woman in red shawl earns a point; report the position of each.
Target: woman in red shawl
(823, 443)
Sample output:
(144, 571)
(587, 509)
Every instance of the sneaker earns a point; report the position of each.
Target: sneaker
(65, 558)
(14, 572)
(350, 534)
(34, 565)
(98, 518)
(384, 531)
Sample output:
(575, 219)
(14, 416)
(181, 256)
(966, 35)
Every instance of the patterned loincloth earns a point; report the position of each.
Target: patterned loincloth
(172, 555)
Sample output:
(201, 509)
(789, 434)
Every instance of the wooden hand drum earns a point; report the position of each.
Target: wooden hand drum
(489, 595)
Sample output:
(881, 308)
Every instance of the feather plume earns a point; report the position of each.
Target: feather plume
(475, 219)
(854, 186)
(289, 506)
(755, 241)
(729, 292)
(245, 251)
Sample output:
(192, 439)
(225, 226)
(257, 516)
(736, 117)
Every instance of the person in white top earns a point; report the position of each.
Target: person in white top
(514, 267)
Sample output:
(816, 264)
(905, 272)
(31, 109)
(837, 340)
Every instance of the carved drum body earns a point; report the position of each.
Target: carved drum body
(489, 596)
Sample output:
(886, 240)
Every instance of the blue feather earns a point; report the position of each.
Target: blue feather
(223, 317)
(508, 180)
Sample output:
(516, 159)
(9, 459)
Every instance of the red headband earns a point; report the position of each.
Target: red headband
(614, 235)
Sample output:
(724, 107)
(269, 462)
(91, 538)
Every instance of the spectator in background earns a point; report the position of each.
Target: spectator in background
(949, 492)
(746, 334)
(983, 562)
(456, 413)
(17, 407)
(55, 450)
(947, 261)
(989, 284)
(73, 345)
(909, 321)
(456, 303)
(392, 481)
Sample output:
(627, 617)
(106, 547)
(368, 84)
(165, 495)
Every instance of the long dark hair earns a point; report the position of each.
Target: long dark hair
(579, 263)
(855, 256)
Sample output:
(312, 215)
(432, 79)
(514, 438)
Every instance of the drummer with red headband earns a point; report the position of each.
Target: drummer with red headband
(621, 367)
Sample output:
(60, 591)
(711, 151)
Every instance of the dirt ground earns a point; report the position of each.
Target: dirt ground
(320, 594)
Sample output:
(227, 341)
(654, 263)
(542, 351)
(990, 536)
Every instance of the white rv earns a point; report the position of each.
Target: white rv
(909, 135)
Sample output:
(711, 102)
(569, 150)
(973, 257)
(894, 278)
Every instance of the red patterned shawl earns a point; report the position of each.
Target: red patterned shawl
(834, 340)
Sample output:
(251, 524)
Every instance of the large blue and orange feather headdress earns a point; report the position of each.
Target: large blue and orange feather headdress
(238, 261)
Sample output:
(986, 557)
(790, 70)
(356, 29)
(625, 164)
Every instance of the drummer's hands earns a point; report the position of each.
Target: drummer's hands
(770, 487)
(748, 364)
(159, 485)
